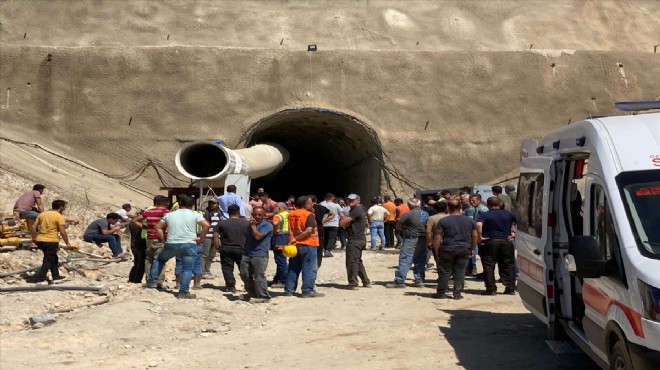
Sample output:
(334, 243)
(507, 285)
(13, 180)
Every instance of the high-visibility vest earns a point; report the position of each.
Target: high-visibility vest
(297, 221)
(283, 227)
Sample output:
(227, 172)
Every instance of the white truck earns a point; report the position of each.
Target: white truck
(588, 238)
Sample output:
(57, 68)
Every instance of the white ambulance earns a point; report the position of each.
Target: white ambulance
(588, 238)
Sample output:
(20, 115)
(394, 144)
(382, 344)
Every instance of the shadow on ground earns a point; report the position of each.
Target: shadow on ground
(491, 340)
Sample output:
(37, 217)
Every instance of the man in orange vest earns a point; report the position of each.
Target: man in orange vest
(303, 233)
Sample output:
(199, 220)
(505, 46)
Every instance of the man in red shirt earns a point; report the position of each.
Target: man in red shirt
(153, 215)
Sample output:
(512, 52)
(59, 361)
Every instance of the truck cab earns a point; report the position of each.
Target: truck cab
(588, 238)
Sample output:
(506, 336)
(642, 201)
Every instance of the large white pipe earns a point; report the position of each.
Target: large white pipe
(210, 161)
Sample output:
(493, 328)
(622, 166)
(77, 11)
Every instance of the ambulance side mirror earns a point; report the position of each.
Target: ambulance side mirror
(589, 261)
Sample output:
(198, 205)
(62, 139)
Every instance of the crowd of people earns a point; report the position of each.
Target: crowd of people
(450, 228)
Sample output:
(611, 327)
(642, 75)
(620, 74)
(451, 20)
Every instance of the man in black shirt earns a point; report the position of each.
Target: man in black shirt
(453, 242)
(230, 235)
(495, 229)
(356, 224)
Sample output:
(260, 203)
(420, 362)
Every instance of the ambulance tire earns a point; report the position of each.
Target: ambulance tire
(620, 357)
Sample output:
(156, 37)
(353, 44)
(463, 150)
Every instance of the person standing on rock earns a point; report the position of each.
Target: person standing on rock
(303, 233)
(453, 242)
(182, 241)
(355, 223)
(45, 231)
(255, 256)
(229, 237)
(413, 249)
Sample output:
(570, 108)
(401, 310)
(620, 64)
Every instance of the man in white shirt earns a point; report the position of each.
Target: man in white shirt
(123, 212)
(331, 227)
(377, 215)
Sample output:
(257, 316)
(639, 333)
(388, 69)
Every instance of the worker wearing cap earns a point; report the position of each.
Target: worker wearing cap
(356, 224)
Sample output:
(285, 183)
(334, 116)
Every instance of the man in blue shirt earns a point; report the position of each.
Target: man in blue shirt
(228, 198)
(255, 255)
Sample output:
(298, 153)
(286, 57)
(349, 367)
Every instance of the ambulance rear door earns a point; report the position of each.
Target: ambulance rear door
(534, 237)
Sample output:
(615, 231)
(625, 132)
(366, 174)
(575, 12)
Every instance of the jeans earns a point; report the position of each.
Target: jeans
(305, 262)
(187, 252)
(208, 254)
(113, 241)
(472, 263)
(452, 261)
(331, 233)
(282, 266)
(197, 265)
(498, 252)
(253, 274)
(413, 250)
(377, 228)
(354, 266)
(29, 215)
(50, 261)
(278, 242)
(389, 233)
(154, 246)
(399, 237)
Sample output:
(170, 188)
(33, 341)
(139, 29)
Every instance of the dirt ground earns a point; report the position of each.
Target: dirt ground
(375, 328)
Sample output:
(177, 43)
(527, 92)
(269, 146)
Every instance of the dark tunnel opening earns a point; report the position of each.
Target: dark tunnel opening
(329, 152)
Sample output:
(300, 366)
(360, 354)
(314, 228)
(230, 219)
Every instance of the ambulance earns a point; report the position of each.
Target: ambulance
(588, 235)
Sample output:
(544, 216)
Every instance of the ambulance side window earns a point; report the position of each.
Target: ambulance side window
(602, 225)
(530, 204)
(604, 230)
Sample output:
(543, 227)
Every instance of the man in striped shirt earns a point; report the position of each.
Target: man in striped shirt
(212, 215)
(154, 246)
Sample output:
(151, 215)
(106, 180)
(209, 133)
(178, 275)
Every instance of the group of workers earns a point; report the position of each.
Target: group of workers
(450, 229)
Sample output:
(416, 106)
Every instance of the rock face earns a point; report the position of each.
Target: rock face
(398, 95)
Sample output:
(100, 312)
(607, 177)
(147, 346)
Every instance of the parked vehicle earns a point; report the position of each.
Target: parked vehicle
(591, 269)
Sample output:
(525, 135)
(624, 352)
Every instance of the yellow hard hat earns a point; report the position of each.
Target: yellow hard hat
(290, 250)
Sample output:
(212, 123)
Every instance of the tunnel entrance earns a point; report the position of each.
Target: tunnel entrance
(329, 152)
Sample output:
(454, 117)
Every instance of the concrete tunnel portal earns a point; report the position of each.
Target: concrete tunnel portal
(329, 151)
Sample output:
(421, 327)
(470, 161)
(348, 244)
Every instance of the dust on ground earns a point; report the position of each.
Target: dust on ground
(127, 326)
(371, 328)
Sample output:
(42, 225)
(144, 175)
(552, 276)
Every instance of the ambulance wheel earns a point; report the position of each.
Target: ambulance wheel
(619, 357)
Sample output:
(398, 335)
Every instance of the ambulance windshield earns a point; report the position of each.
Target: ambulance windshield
(641, 194)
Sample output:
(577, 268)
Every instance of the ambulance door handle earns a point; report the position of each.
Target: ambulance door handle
(537, 252)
